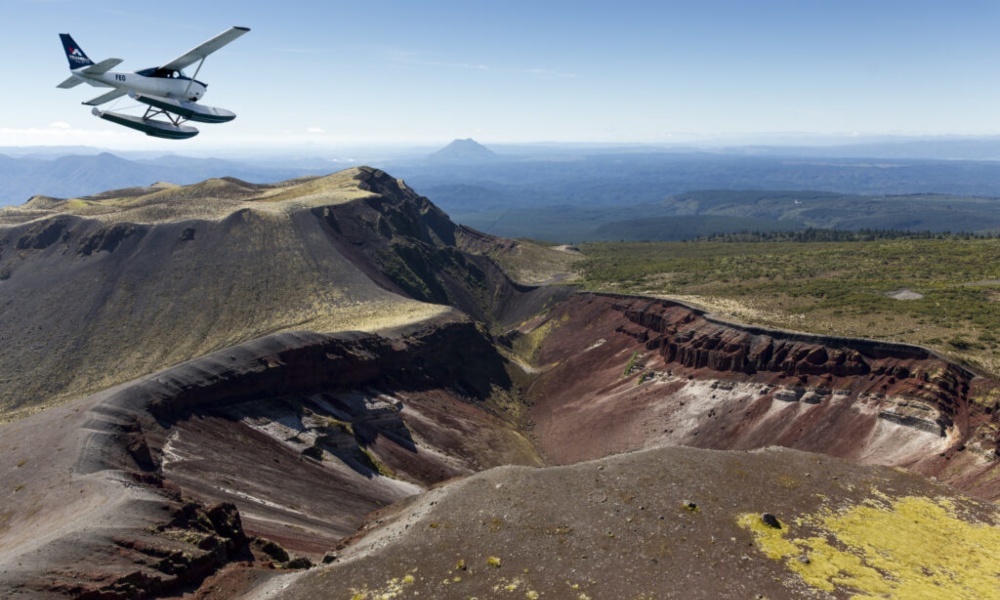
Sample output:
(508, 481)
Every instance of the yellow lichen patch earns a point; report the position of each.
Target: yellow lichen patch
(508, 585)
(394, 588)
(911, 547)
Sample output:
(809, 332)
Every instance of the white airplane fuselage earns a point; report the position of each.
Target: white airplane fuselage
(167, 91)
(150, 82)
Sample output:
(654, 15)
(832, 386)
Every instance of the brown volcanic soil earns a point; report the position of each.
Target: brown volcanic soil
(661, 523)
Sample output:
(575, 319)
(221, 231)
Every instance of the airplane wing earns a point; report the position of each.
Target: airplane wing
(192, 56)
(112, 95)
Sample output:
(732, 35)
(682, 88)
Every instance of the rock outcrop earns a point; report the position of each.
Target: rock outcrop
(195, 542)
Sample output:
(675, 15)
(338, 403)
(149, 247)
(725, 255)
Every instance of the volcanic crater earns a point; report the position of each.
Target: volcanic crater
(326, 388)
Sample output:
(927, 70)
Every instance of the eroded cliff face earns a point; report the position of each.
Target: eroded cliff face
(303, 433)
(622, 373)
(359, 420)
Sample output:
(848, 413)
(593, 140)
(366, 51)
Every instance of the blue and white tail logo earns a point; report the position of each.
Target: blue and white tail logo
(74, 54)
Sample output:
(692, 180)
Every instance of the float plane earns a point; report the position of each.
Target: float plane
(166, 89)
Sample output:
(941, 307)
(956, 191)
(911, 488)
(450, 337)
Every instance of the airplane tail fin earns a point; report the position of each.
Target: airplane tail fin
(74, 54)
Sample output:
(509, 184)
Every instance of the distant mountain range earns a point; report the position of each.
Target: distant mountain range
(633, 195)
(574, 193)
(84, 174)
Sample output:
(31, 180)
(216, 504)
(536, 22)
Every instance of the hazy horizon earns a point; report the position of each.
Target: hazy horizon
(942, 147)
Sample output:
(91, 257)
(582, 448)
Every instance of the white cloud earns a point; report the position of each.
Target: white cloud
(315, 130)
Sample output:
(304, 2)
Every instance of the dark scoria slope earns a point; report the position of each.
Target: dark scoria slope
(98, 291)
(406, 244)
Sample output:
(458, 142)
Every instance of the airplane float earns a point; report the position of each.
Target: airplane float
(166, 90)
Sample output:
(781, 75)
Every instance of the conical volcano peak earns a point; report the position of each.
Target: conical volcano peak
(467, 150)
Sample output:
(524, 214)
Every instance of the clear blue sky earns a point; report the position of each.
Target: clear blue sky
(336, 73)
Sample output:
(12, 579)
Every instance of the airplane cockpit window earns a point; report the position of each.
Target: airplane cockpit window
(163, 73)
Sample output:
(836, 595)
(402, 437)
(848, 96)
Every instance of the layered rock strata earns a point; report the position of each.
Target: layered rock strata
(648, 372)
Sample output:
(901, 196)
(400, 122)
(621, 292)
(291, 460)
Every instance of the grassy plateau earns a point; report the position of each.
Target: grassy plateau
(942, 293)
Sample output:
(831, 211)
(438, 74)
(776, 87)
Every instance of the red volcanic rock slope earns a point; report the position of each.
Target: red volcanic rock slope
(622, 373)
